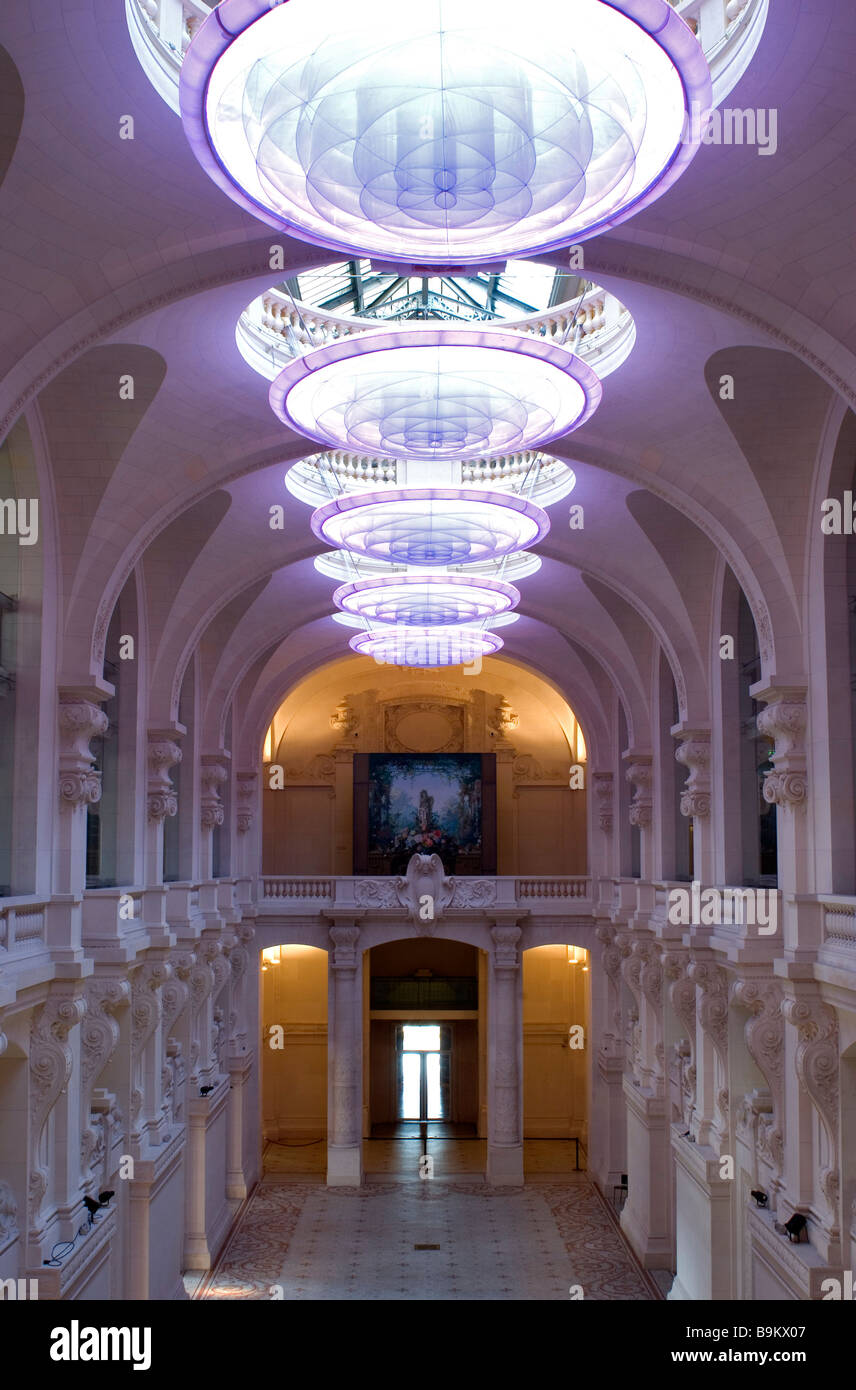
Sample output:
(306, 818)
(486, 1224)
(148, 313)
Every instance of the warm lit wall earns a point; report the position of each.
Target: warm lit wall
(294, 1078)
(555, 997)
(355, 705)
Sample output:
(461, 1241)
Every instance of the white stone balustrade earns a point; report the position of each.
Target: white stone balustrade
(728, 31)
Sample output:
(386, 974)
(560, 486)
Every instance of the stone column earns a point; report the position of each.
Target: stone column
(344, 1059)
(213, 774)
(607, 1120)
(247, 825)
(79, 786)
(784, 721)
(640, 775)
(161, 801)
(601, 852)
(693, 753)
(505, 1048)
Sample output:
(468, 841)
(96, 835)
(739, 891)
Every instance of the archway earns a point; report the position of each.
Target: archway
(294, 991)
(425, 1058)
(556, 1031)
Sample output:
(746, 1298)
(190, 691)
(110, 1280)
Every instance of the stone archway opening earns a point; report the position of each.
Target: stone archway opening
(556, 1058)
(294, 992)
(425, 1059)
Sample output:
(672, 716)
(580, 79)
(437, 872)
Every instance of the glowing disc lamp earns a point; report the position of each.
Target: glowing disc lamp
(435, 394)
(446, 133)
(430, 526)
(426, 600)
(414, 646)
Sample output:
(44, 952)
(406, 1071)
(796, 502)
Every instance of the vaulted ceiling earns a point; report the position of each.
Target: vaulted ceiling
(120, 256)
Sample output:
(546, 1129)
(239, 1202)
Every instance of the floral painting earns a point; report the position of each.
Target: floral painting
(425, 804)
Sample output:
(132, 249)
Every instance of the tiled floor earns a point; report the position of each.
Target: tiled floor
(530, 1243)
(399, 1158)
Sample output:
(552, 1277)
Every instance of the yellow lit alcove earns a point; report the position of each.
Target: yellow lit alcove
(354, 705)
(294, 1051)
(556, 1014)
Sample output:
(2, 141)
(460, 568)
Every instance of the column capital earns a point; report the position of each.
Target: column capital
(602, 786)
(344, 953)
(79, 721)
(784, 720)
(162, 753)
(693, 753)
(247, 788)
(640, 775)
(505, 936)
(213, 773)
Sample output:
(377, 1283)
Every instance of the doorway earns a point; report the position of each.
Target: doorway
(424, 1053)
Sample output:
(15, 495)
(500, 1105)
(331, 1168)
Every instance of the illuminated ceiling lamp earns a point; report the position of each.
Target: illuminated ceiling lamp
(436, 394)
(431, 527)
(426, 646)
(444, 133)
(426, 600)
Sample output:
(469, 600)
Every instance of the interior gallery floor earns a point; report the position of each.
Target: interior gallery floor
(427, 651)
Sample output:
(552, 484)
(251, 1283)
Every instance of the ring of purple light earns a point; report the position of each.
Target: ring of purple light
(413, 646)
(501, 168)
(426, 600)
(464, 393)
(431, 527)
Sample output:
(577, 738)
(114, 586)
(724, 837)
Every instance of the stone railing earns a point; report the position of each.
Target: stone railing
(728, 30)
(458, 895)
(22, 924)
(274, 329)
(839, 923)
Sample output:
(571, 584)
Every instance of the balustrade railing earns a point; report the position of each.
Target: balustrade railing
(22, 925)
(839, 923)
(728, 31)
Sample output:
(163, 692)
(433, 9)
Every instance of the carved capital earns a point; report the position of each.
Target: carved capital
(504, 720)
(784, 721)
(640, 775)
(246, 791)
(602, 786)
(344, 954)
(505, 953)
(163, 753)
(79, 721)
(345, 723)
(693, 753)
(212, 775)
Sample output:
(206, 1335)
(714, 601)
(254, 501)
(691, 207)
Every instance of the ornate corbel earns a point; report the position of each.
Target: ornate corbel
(79, 721)
(784, 721)
(50, 1070)
(602, 787)
(817, 1066)
(640, 775)
(213, 774)
(693, 753)
(163, 753)
(765, 1041)
(246, 789)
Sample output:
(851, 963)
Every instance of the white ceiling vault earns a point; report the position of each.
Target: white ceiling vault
(120, 256)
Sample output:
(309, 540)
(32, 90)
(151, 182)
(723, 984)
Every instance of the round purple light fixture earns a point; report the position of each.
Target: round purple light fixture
(426, 600)
(444, 134)
(426, 646)
(436, 394)
(431, 526)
